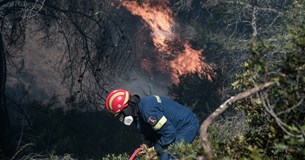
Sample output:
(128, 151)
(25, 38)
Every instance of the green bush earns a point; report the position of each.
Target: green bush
(276, 115)
(116, 157)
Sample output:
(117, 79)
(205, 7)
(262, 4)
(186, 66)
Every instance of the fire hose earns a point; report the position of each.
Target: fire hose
(135, 153)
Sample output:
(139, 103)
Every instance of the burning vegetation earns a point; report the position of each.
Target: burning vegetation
(174, 57)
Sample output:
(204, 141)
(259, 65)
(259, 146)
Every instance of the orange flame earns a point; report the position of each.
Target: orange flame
(190, 61)
(160, 20)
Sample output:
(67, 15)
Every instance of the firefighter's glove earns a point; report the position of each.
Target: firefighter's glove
(146, 149)
(148, 152)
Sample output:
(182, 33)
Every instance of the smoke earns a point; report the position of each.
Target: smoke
(139, 82)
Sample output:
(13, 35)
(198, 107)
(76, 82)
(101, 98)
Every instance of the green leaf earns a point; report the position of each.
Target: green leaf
(281, 147)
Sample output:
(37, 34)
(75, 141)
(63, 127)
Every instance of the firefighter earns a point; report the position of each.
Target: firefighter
(160, 120)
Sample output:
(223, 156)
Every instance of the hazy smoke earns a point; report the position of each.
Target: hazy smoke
(139, 82)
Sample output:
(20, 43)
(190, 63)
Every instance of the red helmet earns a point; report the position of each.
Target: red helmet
(117, 100)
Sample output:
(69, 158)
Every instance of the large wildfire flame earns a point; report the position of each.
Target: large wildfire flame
(160, 20)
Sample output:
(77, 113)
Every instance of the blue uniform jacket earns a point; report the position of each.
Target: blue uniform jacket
(166, 121)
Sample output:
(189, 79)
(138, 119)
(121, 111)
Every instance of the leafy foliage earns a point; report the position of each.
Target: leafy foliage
(185, 151)
(116, 157)
(276, 115)
(268, 125)
(180, 150)
(200, 95)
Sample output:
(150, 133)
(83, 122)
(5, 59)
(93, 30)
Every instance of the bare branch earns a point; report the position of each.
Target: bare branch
(254, 27)
(245, 5)
(291, 108)
(21, 149)
(204, 126)
(280, 123)
(183, 5)
(32, 9)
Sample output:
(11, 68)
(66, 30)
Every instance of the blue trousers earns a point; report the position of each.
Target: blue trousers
(186, 134)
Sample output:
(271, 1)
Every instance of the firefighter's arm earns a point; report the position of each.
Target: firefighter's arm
(152, 113)
(162, 126)
(167, 130)
(168, 135)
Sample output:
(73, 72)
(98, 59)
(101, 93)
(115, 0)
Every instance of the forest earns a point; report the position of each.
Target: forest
(239, 65)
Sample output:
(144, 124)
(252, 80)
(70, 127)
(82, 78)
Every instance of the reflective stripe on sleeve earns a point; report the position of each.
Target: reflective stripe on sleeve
(160, 123)
(158, 99)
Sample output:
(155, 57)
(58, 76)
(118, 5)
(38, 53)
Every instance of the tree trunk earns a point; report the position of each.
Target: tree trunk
(4, 118)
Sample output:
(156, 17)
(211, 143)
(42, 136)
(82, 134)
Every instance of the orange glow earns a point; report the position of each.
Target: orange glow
(159, 19)
(190, 61)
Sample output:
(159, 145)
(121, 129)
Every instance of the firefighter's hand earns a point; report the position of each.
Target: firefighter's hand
(148, 152)
(144, 146)
(146, 149)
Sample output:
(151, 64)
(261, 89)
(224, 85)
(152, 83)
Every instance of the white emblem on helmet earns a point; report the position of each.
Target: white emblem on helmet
(119, 105)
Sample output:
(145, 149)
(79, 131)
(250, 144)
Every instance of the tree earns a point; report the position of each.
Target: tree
(88, 33)
(226, 27)
(96, 47)
(4, 121)
(94, 40)
(276, 113)
(235, 24)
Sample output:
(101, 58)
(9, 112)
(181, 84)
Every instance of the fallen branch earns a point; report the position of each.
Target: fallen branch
(204, 126)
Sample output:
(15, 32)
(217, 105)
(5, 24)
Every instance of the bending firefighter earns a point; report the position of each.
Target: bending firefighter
(162, 121)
